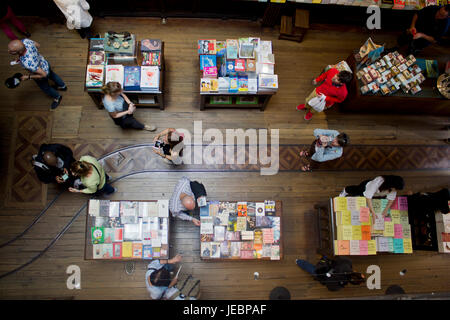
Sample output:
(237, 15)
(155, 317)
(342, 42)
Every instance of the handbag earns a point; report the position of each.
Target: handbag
(318, 102)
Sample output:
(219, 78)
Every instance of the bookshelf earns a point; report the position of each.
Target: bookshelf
(278, 216)
(262, 99)
(135, 96)
(91, 222)
(408, 5)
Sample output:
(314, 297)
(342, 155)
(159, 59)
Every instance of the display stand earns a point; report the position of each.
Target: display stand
(88, 250)
(428, 101)
(158, 96)
(262, 96)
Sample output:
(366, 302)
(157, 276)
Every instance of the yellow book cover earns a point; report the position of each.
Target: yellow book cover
(407, 246)
(406, 231)
(395, 214)
(361, 202)
(347, 232)
(338, 218)
(340, 204)
(317, 1)
(346, 217)
(127, 249)
(388, 229)
(371, 247)
(356, 233)
(339, 233)
(336, 248)
(404, 219)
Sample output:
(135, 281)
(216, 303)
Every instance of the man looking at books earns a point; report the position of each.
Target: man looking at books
(427, 27)
(40, 70)
(333, 89)
(182, 201)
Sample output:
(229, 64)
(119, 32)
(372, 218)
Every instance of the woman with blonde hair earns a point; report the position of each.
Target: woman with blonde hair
(120, 108)
(92, 175)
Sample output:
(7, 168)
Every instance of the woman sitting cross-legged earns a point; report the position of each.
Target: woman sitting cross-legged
(121, 109)
(169, 145)
(329, 145)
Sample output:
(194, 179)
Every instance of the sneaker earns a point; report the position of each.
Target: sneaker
(300, 107)
(56, 103)
(60, 88)
(308, 115)
(150, 127)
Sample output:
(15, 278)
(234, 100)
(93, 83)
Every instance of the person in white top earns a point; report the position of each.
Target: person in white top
(158, 279)
(382, 186)
(77, 15)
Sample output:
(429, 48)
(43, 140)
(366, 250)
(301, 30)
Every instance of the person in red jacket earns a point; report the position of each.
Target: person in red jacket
(333, 87)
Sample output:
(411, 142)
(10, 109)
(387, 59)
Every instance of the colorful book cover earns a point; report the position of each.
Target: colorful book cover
(232, 223)
(232, 48)
(114, 73)
(398, 245)
(148, 45)
(225, 249)
(207, 46)
(363, 247)
(241, 224)
(246, 50)
(206, 237)
(251, 209)
(233, 85)
(355, 218)
(137, 250)
(117, 250)
(96, 44)
(214, 83)
(149, 78)
(260, 212)
(205, 249)
(251, 65)
(407, 246)
(365, 233)
(263, 222)
(275, 253)
(147, 252)
(251, 223)
(242, 83)
(109, 235)
(221, 48)
(94, 76)
(242, 209)
(127, 249)
(239, 65)
(258, 237)
(96, 57)
(210, 72)
(343, 247)
(247, 254)
(356, 233)
(340, 204)
(132, 78)
(398, 231)
(98, 235)
(204, 211)
(269, 207)
(94, 208)
(97, 252)
(207, 60)
(364, 214)
(371, 247)
(205, 85)
(107, 250)
(215, 250)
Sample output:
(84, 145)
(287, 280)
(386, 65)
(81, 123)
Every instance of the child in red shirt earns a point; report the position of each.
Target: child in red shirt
(333, 87)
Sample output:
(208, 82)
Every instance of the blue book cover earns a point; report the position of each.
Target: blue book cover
(147, 252)
(132, 78)
(204, 211)
(233, 85)
(242, 83)
(207, 60)
(230, 68)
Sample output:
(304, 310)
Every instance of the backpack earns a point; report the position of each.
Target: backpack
(187, 287)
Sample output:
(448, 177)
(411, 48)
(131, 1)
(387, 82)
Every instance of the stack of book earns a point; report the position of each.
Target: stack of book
(387, 4)
(240, 230)
(359, 234)
(129, 229)
(443, 231)
(95, 67)
(244, 65)
(391, 73)
(151, 52)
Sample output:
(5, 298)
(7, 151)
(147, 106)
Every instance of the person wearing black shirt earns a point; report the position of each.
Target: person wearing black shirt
(427, 27)
(334, 274)
(52, 164)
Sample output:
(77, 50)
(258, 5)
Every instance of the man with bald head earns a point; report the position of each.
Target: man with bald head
(182, 201)
(39, 68)
(52, 164)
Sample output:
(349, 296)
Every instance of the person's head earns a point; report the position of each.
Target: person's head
(188, 202)
(341, 140)
(80, 168)
(392, 183)
(16, 47)
(50, 158)
(342, 77)
(357, 278)
(443, 12)
(112, 88)
(160, 278)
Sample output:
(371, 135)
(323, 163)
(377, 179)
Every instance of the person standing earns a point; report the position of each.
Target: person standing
(39, 68)
(170, 146)
(333, 88)
(334, 274)
(329, 145)
(428, 26)
(52, 164)
(183, 202)
(120, 108)
(77, 15)
(7, 15)
(382, 186)
(93, 178)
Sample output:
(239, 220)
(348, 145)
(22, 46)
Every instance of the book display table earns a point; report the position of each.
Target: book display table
(346, 227)
(236, 73)
(241, 231)
(426, 101)
(127, 230)
(132, 79)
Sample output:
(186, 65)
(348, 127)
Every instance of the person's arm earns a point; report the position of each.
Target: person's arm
(412, 28)
(118, 114)
(336, 99)
(323, 155)
(126, 99)
(36, 44)
(175, 259)
(325, 132)
(322, 77)
(419, 35)
(388, 206)
(369, 204)
(38, 74)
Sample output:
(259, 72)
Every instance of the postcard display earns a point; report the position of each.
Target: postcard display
(241, 67)
(137, 66)
(241, 230)
(127, 230)
(358, 234)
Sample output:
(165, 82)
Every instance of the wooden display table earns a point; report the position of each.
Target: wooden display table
(262, 96)
(158, 96)
(428, 101)
(253, 250)
(91, 221)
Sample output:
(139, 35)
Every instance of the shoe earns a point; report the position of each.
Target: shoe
(107, 195)
(56, 103)
(300, 107)
(60, 88)
(308, 115)
(150, 127)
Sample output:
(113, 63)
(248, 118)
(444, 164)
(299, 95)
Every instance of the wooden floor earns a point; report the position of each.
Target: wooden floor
(296, 64)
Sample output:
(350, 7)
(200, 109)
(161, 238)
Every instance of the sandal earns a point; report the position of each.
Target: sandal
(306, 168)
(304, 153)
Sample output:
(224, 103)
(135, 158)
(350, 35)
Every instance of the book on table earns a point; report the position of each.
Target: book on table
(114, 73)
(150, 78)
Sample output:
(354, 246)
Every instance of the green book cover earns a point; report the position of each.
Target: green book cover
(220, 100)
(98, 235)
(247, 100)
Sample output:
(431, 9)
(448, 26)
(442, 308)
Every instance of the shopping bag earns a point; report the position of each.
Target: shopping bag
(318, 103)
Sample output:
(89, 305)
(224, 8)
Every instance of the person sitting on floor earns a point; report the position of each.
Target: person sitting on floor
(329, 145)
(382, 186)
(120, 108)
(183, 202)
(157, 277)
(333, 88)
(170, 146)
(52, 163)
